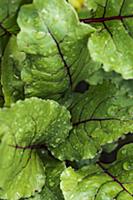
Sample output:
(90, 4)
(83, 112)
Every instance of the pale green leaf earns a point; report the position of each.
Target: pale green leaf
(53, 170)
(8, 15)
(10, 70)
(25, 127)
(112, 44)
(100, 116)
(99, 182)
(55, 44)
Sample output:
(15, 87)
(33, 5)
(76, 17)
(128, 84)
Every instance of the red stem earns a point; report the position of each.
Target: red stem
(114, 178)
(104, 19)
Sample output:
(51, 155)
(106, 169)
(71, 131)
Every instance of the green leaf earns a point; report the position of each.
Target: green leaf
(22, 172)
(53, 170)
(11, 70)
(99, 182)
(25, 127)
(8, 15)
(100, 116)
(8, 10)
(101, 76)
(55, 44)
(85, 9)
(13, 64)
(112, 44)
(8, 24)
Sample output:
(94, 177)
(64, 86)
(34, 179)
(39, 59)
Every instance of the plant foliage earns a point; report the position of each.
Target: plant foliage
(66, 99)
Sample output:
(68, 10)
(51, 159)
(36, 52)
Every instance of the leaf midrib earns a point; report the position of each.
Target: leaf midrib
(105, 19)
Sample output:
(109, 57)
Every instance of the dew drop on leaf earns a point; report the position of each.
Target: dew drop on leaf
(127, 166)
(112, 110)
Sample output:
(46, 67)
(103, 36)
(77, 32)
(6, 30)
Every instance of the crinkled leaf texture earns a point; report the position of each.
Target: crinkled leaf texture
(8, 11)
(53, 170)
(99, 182)
(11, 67)
(8, 15)
(25, 127)
(100, 116)
(112, 44)
(55, 44)
(8, 24)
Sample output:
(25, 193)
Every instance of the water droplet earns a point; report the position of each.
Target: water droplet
(11, 56)
(51, 184)
(43, 151)
(44, 11)
(127, 166)
(40, 35)
(112, 110)
(124, 151)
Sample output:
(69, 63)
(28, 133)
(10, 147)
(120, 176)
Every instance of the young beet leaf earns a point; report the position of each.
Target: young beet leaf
(112, 43)
(100, 116)
(26, 127)
(66, 71)
(100, 182)
(53, 170)
(55, 44)
(12, 64)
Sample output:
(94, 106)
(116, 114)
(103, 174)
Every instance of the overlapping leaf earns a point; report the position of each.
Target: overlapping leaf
(100, 116)
(99, 182)
(25, 127)
(11, 71)
(112, 44)
(51, 56)
(8, 25)
(55, 44)
(53, 170)
(8, 15)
